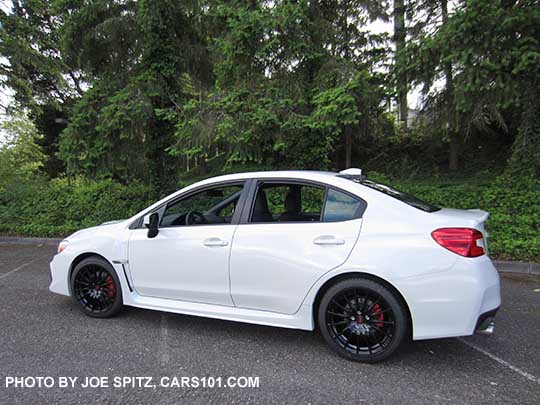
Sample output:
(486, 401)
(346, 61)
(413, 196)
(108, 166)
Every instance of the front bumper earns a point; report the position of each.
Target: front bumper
(60, 266)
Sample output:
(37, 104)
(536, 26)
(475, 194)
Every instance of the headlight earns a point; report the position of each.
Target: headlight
(62, 245)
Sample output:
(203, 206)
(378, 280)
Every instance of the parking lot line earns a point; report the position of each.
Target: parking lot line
(22, 266)
(163, 342)
(525, 374)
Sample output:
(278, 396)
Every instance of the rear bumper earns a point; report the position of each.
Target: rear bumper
(486, 322)
(455, 302)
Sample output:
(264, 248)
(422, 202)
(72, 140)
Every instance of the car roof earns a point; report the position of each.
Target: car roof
(300, 174)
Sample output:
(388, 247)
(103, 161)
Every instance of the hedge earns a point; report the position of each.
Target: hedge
(60, 207)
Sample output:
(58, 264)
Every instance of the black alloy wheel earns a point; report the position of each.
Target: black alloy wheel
(362, 320)
(95, 288)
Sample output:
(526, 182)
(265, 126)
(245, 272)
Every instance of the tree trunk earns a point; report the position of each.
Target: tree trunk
(401, 77)
(453, 158)
(203, 167)
(162, 173)
(453, 132)
(348, 148)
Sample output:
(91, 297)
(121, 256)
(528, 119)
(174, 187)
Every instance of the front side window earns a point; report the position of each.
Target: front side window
(287, 202)
(211, 206)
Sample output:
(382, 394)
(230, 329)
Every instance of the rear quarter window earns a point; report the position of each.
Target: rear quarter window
(342, 207)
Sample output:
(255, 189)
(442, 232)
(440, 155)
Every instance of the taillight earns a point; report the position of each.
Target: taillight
(463, 241)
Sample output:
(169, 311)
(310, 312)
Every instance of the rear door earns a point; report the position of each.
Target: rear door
(290, 234)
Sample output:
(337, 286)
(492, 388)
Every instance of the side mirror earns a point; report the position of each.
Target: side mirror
(151, 221)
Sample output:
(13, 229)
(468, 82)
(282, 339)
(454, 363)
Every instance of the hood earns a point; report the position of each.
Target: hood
(116, 221)
(94, 230)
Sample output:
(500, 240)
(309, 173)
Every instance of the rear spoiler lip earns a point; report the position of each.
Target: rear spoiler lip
(483, 215)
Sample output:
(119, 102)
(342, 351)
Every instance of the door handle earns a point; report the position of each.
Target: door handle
(215, 242)
(328, 240)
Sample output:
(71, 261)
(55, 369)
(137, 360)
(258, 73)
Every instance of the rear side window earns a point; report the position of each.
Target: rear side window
(295, 202)
(342, 207)
(288, 202)
(401, 196)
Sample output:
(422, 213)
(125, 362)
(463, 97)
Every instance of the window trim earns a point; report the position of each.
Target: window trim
(256, 182)
(235, 220)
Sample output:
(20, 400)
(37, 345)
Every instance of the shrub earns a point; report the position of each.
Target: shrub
(60, 207)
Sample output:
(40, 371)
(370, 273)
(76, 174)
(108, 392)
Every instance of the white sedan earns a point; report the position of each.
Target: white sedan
(364, 263)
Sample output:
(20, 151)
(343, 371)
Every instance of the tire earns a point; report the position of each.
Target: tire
(95, 288)
(362, 320)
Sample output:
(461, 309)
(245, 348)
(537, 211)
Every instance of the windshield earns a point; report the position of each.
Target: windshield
(401, 196)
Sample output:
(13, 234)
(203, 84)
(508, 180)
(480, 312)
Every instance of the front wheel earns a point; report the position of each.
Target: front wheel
(95, 288)
(362, 320)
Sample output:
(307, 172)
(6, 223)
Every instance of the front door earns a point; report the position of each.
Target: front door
(189, 258)
(295, 233)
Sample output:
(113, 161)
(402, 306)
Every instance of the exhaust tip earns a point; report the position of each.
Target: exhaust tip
(487, 327)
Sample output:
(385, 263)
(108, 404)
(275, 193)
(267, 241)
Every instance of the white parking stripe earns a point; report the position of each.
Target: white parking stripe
(163, 342)
(528, 376)
(22, 266)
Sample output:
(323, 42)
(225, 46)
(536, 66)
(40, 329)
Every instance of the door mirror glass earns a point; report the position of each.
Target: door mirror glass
(151, 222)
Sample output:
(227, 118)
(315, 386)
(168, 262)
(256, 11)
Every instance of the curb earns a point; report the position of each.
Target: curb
(517, 267)
(501, 265)
(18, 239)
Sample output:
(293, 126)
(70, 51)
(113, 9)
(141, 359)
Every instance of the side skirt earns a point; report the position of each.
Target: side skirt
(300, 320)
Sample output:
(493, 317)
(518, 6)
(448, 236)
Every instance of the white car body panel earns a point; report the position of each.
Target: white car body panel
(445, 293)
(274, 265)
(182, 266)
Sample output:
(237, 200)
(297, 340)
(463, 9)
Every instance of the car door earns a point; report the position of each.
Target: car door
(189, 258)
(293, 234)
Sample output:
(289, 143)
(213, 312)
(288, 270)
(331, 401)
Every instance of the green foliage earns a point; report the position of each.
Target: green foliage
(30, 42)
(488, 53)
(59, 207)
(284, 90)
(20, 156)
(525, 159)
(105, 137)
(152, 88)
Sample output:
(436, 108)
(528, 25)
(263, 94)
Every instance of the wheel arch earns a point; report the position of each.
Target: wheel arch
(344, 276)
(83, 256)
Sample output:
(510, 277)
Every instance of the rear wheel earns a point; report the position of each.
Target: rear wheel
(362, 320)
(95, 288)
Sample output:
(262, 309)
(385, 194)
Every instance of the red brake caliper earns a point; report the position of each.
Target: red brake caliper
(378, 316)
(111, 288)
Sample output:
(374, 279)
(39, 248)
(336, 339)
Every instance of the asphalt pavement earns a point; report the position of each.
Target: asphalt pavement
(44, 335)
